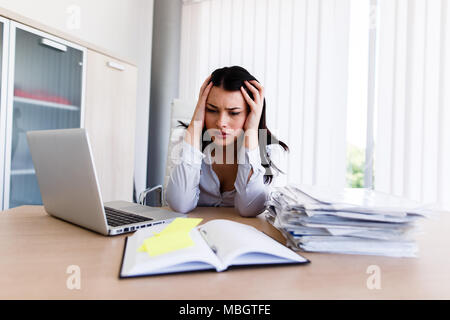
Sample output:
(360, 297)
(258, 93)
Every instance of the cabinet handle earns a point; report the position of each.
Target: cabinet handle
(116, 65)
(53, 44)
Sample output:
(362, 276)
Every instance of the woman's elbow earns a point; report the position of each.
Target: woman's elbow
(180, 207)
(248, 213)
(250, 210)
(251, 207)
(184, 204)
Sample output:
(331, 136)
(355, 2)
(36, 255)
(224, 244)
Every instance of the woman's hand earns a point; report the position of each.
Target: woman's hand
(194, 130)
(256, 105)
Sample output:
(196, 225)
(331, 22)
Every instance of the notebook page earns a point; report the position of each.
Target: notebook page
(198, 257)
(234, 240)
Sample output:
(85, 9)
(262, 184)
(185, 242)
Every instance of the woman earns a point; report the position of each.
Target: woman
(225, 157)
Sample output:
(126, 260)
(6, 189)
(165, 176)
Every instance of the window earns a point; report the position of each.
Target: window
(360, 97)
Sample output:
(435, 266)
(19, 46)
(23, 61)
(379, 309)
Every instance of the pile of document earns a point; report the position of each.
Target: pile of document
(351, 221)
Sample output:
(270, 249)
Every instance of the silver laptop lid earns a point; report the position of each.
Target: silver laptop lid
(66, 176)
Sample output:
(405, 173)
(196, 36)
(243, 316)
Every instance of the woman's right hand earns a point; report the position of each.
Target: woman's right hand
(195, 128)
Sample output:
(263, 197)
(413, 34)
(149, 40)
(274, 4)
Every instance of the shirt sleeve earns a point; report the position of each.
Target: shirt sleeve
(182, 191)
(251, 194)
(279, 158)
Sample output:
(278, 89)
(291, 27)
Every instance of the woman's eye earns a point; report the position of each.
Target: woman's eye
(215, 111)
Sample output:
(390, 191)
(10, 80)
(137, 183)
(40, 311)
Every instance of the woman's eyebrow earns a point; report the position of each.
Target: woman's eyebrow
(232, 108)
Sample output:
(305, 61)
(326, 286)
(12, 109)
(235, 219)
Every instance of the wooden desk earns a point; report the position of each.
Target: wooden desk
(36, 249)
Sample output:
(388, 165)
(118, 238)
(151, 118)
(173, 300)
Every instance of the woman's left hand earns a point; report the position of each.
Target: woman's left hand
(256, 105)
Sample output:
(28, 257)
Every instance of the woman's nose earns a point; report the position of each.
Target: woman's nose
(222, 121)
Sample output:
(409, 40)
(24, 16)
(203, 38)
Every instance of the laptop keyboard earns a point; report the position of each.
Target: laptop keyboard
(116, 218)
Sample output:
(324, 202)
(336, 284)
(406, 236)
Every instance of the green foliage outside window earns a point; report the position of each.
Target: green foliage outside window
(355, 167)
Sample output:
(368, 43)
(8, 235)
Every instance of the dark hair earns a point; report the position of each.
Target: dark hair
(232, 79)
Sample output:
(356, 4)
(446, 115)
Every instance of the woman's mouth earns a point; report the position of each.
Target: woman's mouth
(224, 135)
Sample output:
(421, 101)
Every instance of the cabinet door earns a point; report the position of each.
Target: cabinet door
(4, 28)
(45, 91)
(110, 123)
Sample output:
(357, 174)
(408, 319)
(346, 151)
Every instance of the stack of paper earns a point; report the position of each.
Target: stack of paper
(353, 221)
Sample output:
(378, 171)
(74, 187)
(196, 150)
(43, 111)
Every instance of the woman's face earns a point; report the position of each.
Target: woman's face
(226, 112)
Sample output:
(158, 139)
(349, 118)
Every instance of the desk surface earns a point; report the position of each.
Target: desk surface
(36, 250)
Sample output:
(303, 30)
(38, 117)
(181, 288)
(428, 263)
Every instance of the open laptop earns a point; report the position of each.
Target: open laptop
(70, 190)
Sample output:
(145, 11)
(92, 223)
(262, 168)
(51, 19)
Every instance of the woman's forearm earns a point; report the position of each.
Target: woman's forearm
(251, 192)
(183, 189)
(251, 139)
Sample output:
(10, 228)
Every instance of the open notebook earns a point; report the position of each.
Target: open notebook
(218, 244)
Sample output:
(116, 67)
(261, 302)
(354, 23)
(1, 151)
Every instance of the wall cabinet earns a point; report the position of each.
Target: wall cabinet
(51, 83)
(110, 122)
(44, 91)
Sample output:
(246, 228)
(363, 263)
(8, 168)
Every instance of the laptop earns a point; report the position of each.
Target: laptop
(70, 190)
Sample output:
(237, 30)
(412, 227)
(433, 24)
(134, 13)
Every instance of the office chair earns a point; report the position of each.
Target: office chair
(181, 110)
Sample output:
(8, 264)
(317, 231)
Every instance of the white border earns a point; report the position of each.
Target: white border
(9, 114)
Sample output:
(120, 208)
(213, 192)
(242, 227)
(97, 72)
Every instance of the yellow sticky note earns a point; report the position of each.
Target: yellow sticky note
(181, 225)
(174, 237)
(157, 245)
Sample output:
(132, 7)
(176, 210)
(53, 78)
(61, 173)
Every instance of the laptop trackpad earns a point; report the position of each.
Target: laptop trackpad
(137, 209)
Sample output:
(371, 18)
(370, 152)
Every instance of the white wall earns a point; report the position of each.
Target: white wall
(123, 27)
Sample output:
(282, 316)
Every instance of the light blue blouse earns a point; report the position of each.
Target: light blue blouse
(193, 182)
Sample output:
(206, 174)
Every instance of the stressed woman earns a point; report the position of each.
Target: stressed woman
(227, 149)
